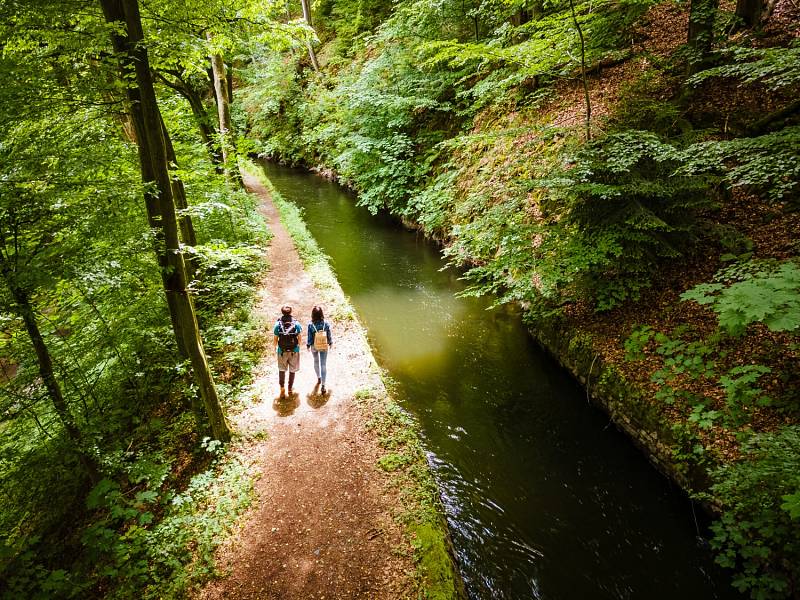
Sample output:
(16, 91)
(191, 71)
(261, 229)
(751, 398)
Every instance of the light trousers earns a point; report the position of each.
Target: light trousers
(320, 366)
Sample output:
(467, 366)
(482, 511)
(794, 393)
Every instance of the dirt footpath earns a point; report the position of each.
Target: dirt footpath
(321, 526)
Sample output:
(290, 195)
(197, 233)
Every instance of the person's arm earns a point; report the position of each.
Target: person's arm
(299, 334)
(309, 337)
(330, 335)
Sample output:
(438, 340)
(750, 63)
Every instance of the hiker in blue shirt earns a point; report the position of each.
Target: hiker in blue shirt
(319, 340)
(288, 335)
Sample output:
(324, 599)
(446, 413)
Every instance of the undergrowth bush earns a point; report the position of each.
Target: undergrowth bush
(758, 534)
(755, 291)
(628, 212)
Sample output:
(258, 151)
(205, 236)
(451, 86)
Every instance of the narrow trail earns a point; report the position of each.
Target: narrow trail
(321, 525)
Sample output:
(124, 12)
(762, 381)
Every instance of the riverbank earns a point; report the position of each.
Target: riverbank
(337, 514)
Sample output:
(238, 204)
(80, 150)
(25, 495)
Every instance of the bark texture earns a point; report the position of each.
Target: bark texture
(188, 234)
(307, 18)
(226, 132)
(155, 171)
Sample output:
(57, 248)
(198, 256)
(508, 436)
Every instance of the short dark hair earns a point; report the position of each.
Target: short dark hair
(316, 313)
(286, 310)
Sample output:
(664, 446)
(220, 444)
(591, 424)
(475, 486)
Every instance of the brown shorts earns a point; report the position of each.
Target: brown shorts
(289, 361)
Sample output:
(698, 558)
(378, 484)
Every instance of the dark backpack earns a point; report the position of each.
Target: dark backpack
(287, 336)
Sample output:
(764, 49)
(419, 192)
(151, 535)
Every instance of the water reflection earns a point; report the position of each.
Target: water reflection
(317, 400)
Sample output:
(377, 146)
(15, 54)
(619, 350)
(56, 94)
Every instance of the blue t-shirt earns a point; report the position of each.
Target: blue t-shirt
(278, 329)
(312, 331)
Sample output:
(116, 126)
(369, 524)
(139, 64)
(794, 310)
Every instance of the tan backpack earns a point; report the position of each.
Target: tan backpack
(320, 341)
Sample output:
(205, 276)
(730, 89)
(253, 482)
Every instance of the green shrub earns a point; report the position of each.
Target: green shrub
(753, 292)
(622, 212)
(758, 534)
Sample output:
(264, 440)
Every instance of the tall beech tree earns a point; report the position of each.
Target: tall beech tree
(307, 18)
(131, 51)
(227, 134)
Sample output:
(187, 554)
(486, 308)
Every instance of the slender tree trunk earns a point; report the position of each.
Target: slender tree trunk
(153, 156)
(24, 309)
(750, 12)
(702, 14)
(226, 133)
(179, 194)
(307, 18)
(45, 362)
(583, 73)
(204, 124)
(207, 132)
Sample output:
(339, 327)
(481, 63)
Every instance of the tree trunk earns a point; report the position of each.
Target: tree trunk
(45, 362)
(750, 12)
(179, 194)
(307, 18)
(226, 133)
(702, 14)
(153, 157)
(24, 309)
(588, 120)
(205, 126)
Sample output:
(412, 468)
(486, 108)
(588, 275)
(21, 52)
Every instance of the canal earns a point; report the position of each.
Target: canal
(544, 497)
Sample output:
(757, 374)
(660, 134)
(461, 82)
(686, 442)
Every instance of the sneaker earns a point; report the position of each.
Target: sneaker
(319, 380)
(283, 392)
(323, 388)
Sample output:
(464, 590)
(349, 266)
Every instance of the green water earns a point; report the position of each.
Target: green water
(544, 498)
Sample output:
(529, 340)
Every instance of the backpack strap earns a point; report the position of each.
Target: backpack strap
(291, 325)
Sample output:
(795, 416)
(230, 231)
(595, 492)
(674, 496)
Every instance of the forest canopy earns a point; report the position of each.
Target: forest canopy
(629, 168)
